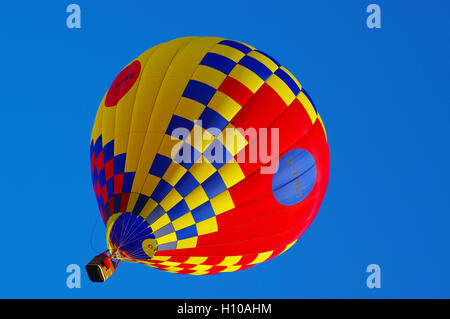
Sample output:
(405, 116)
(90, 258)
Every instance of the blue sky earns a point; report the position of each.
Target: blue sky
(383, 95)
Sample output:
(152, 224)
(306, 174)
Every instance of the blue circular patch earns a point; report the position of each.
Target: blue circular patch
(294, 177)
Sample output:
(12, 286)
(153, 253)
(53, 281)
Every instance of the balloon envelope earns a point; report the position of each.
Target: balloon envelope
(207, 156)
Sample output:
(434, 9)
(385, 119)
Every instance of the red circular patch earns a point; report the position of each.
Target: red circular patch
(122, 83)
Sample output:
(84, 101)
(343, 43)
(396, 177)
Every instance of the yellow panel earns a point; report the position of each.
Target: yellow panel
(323, 126)
(148, 208)
(207, 226)
(232, 139)
(169, 145)
(202, 267)
(189, 109)
(187, 243)
(224, 105)
(146, 96)
(152, 77)
(230, 260)
(246, 77)
(108, 121)
(147, 156)
(134, 151)
(308, 106)
(229, 52)
(169, 263)
(145, 56)
(281, 88)
(196, 198)
(150, 184)
(161, 258)
(264, 60)
(185, 63)
(208, 75)
(222, 203)
(166, 102)
(132, 201)
(184, 221)
(167, 238)
(173, 269)
(196, 260)
(171, 199)
(97, 129)
(231, 268)
(174, 173)
(202, 169)
(231, 173)
(261, 257)
(289, 246)
(160, 222)
(124, 111)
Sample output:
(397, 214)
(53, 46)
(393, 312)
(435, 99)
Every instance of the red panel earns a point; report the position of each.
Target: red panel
(109, 169)
(118, 183)
(262, 108)
(236, 90)
(92, 163)
(111, 206)
(99, 161)
(97, 190)
(124, 202)
(104, 194)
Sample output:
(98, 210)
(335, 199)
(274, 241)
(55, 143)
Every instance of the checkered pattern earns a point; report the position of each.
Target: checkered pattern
(181, 200)
(212, 265)
(112, 186)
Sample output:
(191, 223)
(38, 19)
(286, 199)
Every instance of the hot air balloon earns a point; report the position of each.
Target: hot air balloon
(207, 156)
